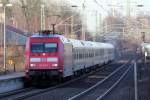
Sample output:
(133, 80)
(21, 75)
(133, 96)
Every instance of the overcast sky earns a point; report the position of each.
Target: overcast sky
(103, 7)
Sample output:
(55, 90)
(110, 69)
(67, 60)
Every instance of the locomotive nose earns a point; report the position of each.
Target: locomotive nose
(47, 59)
(44, 63)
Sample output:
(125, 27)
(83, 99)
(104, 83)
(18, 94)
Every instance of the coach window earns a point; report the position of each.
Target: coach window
(78, 54)
(50, 47)
(86, 54)
(109, 51)
(81, 55)
(93, 53)
(101, 52)
(90, 53)
(75, 55)
(37, 47)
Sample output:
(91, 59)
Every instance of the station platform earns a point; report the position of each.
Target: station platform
(12, 75)
(11, 81)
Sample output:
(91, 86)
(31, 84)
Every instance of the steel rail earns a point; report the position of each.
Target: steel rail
(26, 94)
(114, 85)
(6, 94)
(99, 83)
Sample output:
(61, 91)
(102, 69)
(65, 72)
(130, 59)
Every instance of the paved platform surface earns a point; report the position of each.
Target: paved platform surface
(11, 81)
(12, 75)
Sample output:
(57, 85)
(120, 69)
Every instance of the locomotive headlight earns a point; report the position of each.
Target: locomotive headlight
(43, 54)
(55, 65)
(32, 65)
(145, 54)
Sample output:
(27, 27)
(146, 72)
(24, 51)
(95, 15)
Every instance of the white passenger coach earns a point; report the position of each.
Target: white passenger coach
(85, 54)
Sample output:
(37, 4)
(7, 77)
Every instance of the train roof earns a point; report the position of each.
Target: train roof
(76, 43)
(145, 45)
(37, 35)
(88, 44)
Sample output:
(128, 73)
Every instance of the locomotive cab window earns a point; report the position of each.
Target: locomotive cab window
(50, 47)
(43, 47)
(37, 47)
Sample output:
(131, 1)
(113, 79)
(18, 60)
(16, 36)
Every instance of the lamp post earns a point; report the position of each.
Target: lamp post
(65, 27)
(42, 17)
(142, 33)
(83, 23)
(83, 19)
(4, 8)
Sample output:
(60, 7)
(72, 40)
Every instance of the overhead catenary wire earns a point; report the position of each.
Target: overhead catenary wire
(100, 6)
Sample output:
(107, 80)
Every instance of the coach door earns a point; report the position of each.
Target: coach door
(68, 59)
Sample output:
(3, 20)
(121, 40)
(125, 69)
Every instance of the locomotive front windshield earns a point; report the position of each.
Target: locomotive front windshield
(43, 47)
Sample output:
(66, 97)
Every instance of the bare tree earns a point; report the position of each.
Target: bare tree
(30, 9)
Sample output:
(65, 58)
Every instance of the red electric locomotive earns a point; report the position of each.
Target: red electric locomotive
(44, 57)
(50, 56)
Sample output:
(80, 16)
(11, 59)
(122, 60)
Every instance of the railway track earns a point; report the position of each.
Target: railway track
(28, 92)
(104, 87)
(6, 94)
(91, 78)
(78, 86)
